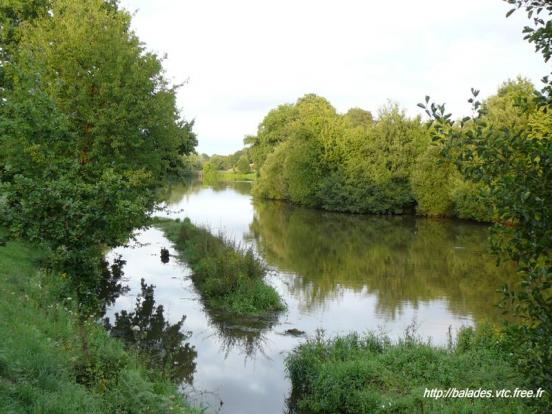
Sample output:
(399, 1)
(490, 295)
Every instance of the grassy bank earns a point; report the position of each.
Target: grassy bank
(42, 367)
(229, 278)
(236, 176)
(369, 374)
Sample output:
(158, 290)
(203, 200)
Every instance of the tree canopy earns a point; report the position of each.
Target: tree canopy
(88, 129)
(507, 149)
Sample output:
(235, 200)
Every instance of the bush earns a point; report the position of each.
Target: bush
(432, 183)
(369, 374)
(473, 202)
(339, 162)
(272, 185)
(243, 164)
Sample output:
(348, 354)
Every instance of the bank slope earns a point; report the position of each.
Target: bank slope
(42, 368)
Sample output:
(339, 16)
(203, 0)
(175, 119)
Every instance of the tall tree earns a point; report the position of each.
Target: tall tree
(88, 129)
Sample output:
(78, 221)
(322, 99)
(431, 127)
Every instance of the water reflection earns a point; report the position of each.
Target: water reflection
(177, 191)
(401, 260)
(338, 272)
(145, 329)
(111, 286)
(245, 335)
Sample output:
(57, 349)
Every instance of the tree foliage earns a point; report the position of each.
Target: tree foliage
(88, 129)
(512, 158)
(309, 154)
(243, 164)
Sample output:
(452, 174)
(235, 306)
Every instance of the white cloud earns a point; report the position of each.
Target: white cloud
(244, 57)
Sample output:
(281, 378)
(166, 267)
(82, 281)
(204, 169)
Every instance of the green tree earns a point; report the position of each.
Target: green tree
(302, 145)
(432, 183)
(243, 164)
(272, 131)
(342, 163)
(376, 164)
(273, 185)
(87, 132)
(514, 163)
(13, 14)
(503, 110)
(358, 117)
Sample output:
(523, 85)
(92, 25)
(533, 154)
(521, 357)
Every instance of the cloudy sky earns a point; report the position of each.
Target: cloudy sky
(241, 58)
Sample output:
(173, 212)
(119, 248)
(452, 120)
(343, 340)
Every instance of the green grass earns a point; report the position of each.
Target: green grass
(42, 367)
(369, 374)
(236, 176)
(229, 278)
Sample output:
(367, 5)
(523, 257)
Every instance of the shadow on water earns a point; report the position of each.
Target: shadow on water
(146, 329)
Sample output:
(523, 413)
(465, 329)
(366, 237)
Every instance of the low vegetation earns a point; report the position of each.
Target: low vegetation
(239, 162)
(42, 365)
(211, 172)
(236, 176)
(229, 278)
(369, 374)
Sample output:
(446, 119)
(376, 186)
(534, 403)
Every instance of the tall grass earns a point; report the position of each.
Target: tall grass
(42, 366)
(370, 374)
(229, 278)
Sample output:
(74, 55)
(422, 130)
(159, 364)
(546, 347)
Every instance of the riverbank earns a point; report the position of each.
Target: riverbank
(229, 278)
(370, 374)
(236, 176)
(42, 365)
(211, 176)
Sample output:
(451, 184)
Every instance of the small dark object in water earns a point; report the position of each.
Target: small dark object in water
(165, 255)
(294, 332)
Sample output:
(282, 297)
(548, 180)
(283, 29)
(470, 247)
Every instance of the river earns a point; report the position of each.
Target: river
(336, 272)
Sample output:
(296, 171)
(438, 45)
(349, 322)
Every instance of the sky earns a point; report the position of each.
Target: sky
(238, 59)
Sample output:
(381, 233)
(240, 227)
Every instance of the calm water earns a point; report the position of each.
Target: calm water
(338, 272)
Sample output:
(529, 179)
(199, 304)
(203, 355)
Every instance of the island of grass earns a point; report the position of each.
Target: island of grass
(42, 366)
(229, 278)
(369, 374)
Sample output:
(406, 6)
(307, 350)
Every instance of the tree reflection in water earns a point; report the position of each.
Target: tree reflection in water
(175, 192)
(111, 286)
(246, 335)
(400, 260)
(162, 343)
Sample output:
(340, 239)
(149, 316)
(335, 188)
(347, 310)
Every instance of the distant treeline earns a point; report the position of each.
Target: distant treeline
(238, 162)
(309, 154)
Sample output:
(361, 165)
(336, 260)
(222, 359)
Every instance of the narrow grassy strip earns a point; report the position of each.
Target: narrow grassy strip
(236, 176)
(369, 374)
(42, 368)
(229, 278)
